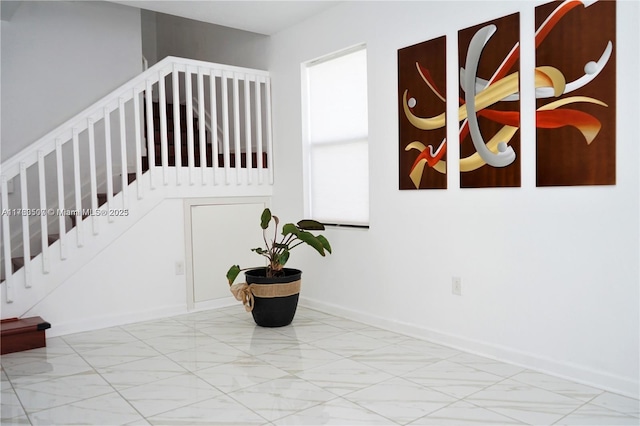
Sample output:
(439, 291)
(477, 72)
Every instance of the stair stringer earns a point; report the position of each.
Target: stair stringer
(26, 300)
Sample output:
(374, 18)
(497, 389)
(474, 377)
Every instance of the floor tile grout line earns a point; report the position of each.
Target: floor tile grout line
(13, 389)
(495, 412)
(118, 391)
(230, 395)
(27, 413)
(67, 403)
(222, 393)
(555, 392)
(372, 411)
(456, 399)
(102, 377)
(155, 381)
(526, 384)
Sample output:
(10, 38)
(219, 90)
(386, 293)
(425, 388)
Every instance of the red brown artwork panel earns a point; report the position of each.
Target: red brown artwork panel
(422, 122)
(576, 93)
(489, 115)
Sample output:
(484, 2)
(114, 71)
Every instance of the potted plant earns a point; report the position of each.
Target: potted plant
(271, 292)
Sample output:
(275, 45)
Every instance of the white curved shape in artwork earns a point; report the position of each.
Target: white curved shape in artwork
(594, 67)
(482, 84)
(592, 70)
(508, 155)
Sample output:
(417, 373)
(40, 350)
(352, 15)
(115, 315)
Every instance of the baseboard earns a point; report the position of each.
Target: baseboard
(133, 317)
(569, 371)
(215, 304)
(90, 324)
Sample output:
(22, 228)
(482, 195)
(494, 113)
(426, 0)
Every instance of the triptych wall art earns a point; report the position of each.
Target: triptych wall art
(575, 91)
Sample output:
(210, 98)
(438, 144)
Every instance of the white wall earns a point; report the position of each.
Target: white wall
(550, 276)
(187, 38)
(133, 279)
(60, 57)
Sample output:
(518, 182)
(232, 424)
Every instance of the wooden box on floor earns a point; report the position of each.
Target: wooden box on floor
(22, 334)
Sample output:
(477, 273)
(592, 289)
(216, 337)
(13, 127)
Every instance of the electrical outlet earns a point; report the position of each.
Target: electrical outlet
(456, 286)
(179, 267)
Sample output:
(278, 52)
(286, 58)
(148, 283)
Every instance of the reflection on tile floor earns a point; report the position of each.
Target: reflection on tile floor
(217, 367)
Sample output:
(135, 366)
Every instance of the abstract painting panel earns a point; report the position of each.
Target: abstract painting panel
(489, 114)
(576, 93)
(422, 119)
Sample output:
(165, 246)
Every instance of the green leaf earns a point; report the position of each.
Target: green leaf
(310, 225)
(281, 246)
(232, 273)
(284, 256)
(325, 242)
(290, 228)
(260, 250)
(265, 218)
(311, 239)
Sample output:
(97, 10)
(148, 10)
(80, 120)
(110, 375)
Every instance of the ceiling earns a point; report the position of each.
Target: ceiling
(263, 17)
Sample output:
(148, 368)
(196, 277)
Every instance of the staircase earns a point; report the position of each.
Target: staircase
(183, 128)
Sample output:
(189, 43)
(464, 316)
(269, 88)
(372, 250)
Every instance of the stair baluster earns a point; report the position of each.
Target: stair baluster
(202, 137)
(61, 223)
(6, 240)
(44, 226)
(151, 148)
(93, 175)
(109, 161)
(177, 144)
(259, 127)
(189, 125)
(123, 154)
(236, 128)
(138, 142)
(164, 148)
(225, 127)
(77, 221)
(26, 234)
(214, 125)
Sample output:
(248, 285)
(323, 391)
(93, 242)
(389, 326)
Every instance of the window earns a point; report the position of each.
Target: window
(336, 133)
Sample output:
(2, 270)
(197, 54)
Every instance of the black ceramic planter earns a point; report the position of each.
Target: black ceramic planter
(273, 311)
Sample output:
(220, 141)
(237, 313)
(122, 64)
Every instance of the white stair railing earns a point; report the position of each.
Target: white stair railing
(64, 173)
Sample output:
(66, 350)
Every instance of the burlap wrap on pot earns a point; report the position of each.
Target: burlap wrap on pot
(245, 292)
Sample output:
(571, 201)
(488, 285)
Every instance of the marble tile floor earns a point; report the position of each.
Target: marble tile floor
(218, 368)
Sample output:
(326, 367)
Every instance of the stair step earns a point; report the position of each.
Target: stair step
(73, 219)
(170, 137)
(22, 334)
(156, 111)
(183, 121)
(17, 263)
(102, 198)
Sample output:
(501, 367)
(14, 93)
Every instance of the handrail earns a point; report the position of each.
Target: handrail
(28, 155)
